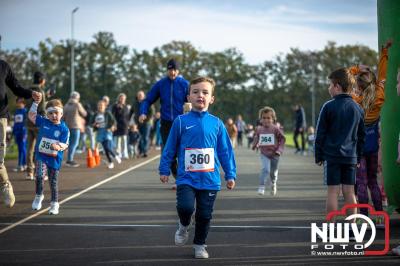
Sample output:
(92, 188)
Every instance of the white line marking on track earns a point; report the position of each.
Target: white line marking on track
(78, 194)
(161, 225)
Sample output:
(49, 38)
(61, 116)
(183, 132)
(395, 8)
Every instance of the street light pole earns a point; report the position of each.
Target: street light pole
(72, 50)
(313, 89)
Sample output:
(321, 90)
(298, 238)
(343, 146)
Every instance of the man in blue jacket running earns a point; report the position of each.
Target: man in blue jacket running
(172, 91)
(202, 144)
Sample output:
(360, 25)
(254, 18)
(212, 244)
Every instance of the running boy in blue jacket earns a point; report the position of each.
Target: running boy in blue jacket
(202, 145)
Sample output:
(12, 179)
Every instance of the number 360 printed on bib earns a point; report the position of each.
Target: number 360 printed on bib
(199, 160)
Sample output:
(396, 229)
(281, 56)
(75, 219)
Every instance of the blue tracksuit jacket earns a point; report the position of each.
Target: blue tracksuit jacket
(172, 94)
(340, 131)
(198, 130)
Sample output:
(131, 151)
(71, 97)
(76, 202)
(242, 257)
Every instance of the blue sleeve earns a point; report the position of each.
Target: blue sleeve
(151, 97)
(39, 120)
(64, 137)
(225, 153)
(320, 136)
(170, 149)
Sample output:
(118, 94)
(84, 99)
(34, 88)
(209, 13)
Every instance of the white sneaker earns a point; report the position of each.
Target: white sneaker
(273, 190)
(118, 159)
(29, 177)
(384, 202)
(37, 202)
(200, 251)
(181, 235)
(396, 251)
(261, 190)
(7, 193)
(110, 166)
(54, 208)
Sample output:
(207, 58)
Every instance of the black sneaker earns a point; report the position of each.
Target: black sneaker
(72, 164)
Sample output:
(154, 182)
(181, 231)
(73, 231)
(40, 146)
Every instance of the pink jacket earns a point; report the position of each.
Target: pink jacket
(270, 140)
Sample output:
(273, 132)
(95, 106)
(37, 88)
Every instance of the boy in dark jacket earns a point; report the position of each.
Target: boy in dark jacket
(339, 140)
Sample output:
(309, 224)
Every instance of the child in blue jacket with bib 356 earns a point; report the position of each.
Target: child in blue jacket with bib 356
(202, 145)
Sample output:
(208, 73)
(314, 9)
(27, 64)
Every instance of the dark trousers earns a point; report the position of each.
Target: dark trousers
(240, 138)
(144, 142)
(186, 197)
(298, 132)
(165, 128)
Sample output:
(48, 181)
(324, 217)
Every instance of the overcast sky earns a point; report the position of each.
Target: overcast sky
(260, 29)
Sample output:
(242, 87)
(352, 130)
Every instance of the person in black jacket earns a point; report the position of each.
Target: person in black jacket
(8, 79)
(299, 128)
(339, 139)
(120, 112)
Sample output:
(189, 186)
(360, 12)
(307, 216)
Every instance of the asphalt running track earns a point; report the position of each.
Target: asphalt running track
(130, 219)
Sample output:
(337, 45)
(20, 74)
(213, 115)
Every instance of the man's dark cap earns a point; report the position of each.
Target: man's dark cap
(38, 77)
(172, 64)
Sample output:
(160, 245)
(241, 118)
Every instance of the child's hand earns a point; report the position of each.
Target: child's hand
(230, 184)
(164, 178)
(388, 44)
(142, 118)
(278, 153)
(55, 147)
(37, 96)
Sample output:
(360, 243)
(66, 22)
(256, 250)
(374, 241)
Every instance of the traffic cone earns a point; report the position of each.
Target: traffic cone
(90, 160)
(97, 156)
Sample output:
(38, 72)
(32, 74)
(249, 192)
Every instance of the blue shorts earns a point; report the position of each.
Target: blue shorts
(339, 173)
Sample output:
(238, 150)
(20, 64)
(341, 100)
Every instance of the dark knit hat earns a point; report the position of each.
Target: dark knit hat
(172, 64)
(38, 77)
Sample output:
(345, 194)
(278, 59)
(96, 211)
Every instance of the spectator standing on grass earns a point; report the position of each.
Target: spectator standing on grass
(299, 129)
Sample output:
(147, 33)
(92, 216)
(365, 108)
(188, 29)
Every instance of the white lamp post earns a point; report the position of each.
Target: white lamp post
(72, 50)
